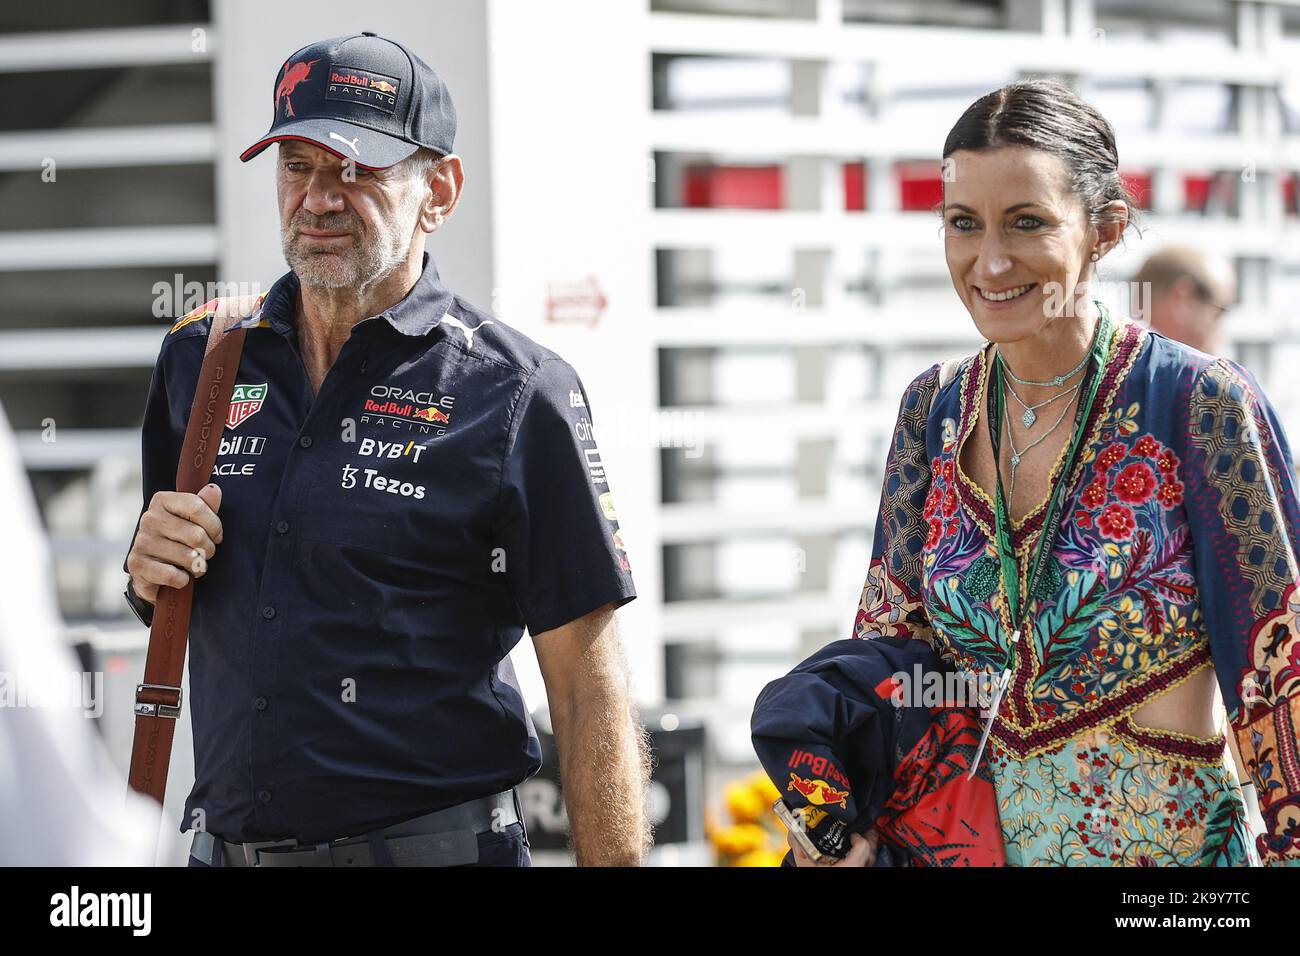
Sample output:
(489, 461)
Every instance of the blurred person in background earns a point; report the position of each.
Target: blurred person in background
(61, 799)
(1184, 292)
(1189, 291)
(1104, 520)
(407, 483)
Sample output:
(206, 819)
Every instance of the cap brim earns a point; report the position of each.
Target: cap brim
(365, 147)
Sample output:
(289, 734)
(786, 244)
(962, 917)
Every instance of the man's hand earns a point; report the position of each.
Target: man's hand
(178, 535)
(603, 748)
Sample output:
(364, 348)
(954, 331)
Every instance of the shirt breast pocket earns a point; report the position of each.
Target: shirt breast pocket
(420, 506)
(376, 506)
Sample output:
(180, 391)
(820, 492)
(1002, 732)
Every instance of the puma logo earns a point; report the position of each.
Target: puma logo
(351, 142)
(469, 333)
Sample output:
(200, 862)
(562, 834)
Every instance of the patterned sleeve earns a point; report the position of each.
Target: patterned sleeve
(1241, 502)
(891, 598)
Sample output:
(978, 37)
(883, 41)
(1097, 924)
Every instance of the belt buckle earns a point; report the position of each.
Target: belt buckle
(321, 848)
(146, 708)
(251, 849)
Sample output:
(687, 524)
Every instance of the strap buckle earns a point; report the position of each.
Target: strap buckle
(163, 708)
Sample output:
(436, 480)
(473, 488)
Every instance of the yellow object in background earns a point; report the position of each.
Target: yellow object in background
(760, 781)
(745, 803)
(753, 836)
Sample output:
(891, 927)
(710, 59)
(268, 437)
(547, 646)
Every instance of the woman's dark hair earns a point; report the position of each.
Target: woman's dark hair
(1047, 115)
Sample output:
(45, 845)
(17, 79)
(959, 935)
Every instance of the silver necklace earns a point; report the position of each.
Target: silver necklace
(1050, 383)
(1018, 453)
(1030, 415)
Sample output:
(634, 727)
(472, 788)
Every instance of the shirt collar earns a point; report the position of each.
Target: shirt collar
(418, 312)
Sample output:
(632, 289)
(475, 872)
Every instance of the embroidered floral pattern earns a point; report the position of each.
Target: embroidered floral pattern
(949, 502)
(941, 504)
(886, 609)
(1147, 447)
(1167, 462)
(1136, 483)
(1094, 496)
(1116, 522)
(1110, 457)
(1126, 617)
(1170, 494)
(1099, 801)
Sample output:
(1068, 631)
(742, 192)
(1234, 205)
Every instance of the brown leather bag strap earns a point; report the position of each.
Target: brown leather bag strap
(158, 698)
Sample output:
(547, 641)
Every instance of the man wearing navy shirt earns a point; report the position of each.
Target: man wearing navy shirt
(404, 484)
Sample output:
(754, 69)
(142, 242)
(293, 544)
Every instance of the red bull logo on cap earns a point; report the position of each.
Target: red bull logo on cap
(351, 85)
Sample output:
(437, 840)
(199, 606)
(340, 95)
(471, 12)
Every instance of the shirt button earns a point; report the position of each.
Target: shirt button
(260, 703)
(268, 612)
(264, 796)
(305, 441)
(282, 527)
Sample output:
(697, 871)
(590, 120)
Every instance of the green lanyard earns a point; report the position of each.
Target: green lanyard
(1043, 547)
(1010, 571)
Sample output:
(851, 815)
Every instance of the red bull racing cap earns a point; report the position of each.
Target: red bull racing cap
(364, 98)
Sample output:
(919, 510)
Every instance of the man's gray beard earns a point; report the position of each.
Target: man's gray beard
(359, 267)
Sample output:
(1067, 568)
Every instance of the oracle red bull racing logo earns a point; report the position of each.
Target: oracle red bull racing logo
(819, 793)
(392, 406)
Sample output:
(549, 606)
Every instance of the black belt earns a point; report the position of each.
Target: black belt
(447, 837)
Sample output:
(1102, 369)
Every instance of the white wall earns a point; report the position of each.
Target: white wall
(571, 181)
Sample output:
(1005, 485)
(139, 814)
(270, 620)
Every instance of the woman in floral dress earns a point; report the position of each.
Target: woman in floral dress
(1167, 515)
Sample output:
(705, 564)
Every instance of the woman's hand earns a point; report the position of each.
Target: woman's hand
(862, 851)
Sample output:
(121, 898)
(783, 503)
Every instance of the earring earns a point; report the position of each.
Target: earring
(1094, 257)
(437, 219)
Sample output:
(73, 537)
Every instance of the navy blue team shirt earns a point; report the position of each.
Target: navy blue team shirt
(385, 544)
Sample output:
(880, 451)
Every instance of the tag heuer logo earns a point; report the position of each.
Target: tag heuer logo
(245, 402)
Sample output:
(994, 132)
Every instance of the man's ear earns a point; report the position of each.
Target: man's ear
(446, 179)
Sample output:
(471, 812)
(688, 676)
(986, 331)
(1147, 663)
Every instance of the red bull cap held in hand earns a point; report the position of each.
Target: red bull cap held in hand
(364, 98)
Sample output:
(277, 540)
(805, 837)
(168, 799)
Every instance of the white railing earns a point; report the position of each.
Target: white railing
(118, 146)
(108, 248)
(96, 49)
(80, 348)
